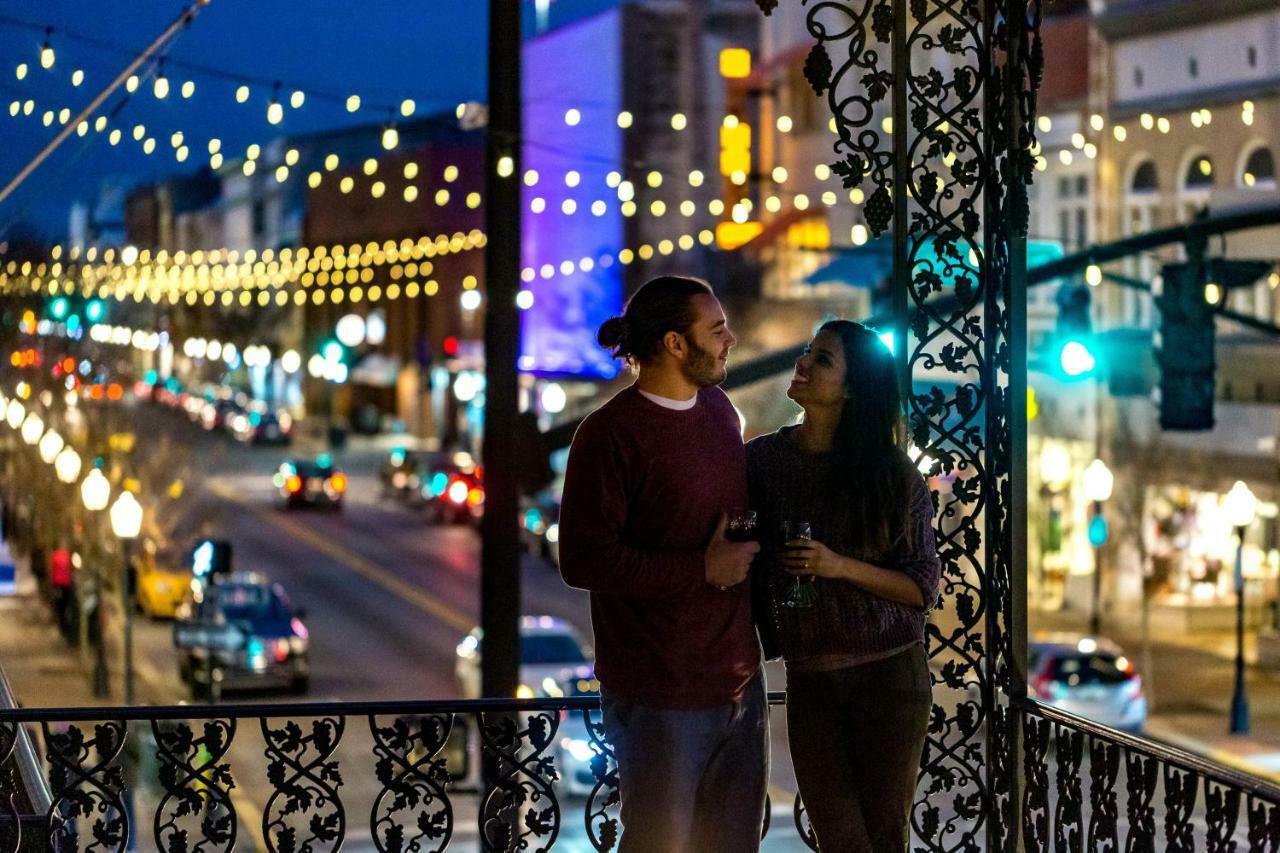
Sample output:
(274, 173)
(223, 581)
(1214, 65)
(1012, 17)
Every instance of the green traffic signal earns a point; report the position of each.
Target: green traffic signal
(59, 307)
(1076, 359)
(332, 351)
(95, 310)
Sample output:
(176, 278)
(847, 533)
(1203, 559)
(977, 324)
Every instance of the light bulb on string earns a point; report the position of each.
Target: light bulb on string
(160, 86)
(47, 56)
(390, 137)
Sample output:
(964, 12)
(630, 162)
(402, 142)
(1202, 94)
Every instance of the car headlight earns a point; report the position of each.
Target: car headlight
(297, 645)
(579, 750)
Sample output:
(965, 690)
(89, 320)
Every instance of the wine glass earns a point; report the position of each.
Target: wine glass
(803, 592)
(742, 526)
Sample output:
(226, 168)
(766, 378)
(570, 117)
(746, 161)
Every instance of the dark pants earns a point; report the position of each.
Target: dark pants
(856, 739)
(691, 781)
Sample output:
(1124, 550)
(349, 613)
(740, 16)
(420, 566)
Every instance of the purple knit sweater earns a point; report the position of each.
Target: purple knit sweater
(787, 483)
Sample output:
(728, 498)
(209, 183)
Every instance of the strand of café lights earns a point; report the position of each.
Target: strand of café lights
(377, 187)
(1080, 141)
(172, 281)
(470, 296)
(411, 192)
(219, 274)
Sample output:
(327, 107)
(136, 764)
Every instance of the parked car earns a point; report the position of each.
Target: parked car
(162, 582)
(241, 631)
(556, 661)
(310, 483)
(262, 425)
(1088, 676)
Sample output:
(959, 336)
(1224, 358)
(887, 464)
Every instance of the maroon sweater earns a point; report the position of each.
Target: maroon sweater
(643, 491)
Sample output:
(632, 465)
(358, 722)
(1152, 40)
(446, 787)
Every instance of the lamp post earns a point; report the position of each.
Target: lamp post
(126, 521)
(1098, 483)
(1240, 506)
(95, 492)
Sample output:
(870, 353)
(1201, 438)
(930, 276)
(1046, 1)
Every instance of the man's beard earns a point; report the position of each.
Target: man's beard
(703, 367)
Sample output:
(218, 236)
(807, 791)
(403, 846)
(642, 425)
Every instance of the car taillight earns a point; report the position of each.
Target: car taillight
(457, 492)
(293, 483)
(475, 497)
(282, 650)
(338, 482)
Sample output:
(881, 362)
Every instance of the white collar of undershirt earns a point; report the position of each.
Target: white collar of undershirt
(668, 403)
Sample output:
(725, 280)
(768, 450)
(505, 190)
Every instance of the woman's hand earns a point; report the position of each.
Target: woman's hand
(810, 557)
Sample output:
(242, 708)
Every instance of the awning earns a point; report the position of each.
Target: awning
(871, 263)
(377, 370)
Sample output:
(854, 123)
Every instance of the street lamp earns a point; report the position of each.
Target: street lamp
(95, 491)
(67, 465)
(1240, 506)
(1098, 483)
(50, 446)
(32, 428)
(126, 522)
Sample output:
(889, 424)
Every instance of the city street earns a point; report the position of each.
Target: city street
(387, 597)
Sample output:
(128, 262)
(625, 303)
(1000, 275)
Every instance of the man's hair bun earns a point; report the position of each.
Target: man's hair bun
(613, 334)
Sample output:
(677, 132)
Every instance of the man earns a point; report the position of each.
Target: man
(652, 475)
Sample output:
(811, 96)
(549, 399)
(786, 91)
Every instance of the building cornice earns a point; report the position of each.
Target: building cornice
(1129, 18)
(1236, 93)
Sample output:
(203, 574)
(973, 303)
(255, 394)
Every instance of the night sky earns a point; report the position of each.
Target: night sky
(385, 50)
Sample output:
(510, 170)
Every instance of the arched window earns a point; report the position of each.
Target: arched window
(1259, 169)
(1144, 178)
(1199, 173)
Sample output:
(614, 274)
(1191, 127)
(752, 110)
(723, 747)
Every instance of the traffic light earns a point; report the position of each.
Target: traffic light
(1186, 357)
(1076, 357)
(59, 307)
(95, 310)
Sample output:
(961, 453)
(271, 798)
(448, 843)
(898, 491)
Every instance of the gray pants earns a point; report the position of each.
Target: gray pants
(856, 738)
(691, 781)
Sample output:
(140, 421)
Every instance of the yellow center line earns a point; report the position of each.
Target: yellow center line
(370, 571)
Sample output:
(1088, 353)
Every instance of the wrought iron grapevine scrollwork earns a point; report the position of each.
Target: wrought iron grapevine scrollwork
(519, 807)
(1180, 789)
(304, 812)
(1035, 771)
(1104, 815)
(1068, 824)
(601, 810)
(88, 788)
(1222, 810)
(1264, 825)
(803, 827)
(412, 812)
(10, 819)
(856, 85)
(195, 815)
(1140, 781)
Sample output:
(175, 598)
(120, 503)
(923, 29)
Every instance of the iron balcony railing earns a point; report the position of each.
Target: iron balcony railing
(492, 775)
(426, 762)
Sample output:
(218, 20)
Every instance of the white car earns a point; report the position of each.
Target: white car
(555, 661)
(1089, 676)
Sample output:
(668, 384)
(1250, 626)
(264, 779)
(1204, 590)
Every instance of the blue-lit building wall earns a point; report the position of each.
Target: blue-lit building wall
(576, 285)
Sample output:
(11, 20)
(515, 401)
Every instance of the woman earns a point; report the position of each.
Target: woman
(858, 693)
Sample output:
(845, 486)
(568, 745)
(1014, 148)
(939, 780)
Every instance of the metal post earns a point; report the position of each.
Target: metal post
(101, 682)
(1095, 616)
(126, 602)
(500, 549)
(1239, 701)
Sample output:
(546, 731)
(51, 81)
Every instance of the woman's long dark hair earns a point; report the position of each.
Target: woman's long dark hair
(868, 454)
